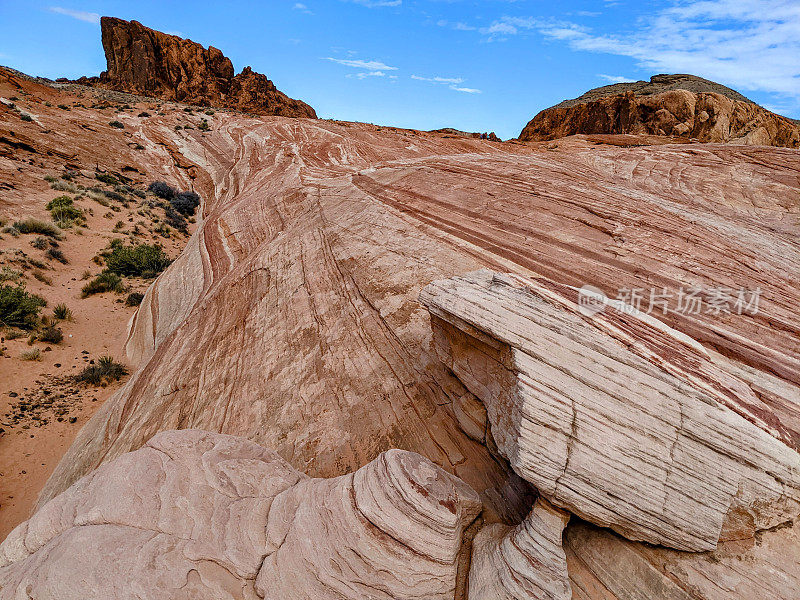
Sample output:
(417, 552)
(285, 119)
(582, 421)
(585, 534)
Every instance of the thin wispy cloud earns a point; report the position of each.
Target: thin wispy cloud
(364, 75)
(377, 3)
(302, 8)
(749, 44)
(458, 25)
(615, 78)
(89, 17)
(450, 82)
(466, 90)
(369, 65)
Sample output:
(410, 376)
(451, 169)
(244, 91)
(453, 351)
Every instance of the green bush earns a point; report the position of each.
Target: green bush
(106, 178)
(140, 260)
(105, 282)
(56, 254)
(51, 335)
(204, 126)
(134, 299)
(64, 211)
(18, 308)
(34, 354)
(117, 125)
(26, 117)
(37, 226)
(105, 371)
(62, 312)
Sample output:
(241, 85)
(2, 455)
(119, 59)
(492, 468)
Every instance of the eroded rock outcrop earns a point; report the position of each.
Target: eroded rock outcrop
(525, 562)
(143, 61)
(682, 106)
(614, 416)
(196, 514)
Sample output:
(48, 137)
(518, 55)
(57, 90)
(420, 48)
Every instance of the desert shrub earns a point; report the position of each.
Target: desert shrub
(187, 110)
(117, 125)
(42, 277)
(185, 202)
(64, 186)
(34, 354)
(40, 243)
(64, 211)
(106, 178)
(134, 299)
(63, 107)
(19, 308)
(11, 230)
(37, 226)
(62, 312)
(105, 282)
(144, 113)
(9, 274)
(138, 147)
(162, 190)
(209, 112)
(50, 178)
(204, 126)
(141, 260)
(56, 254)
(26, 117)
(175, 219)
(51, 335)
(105, 371)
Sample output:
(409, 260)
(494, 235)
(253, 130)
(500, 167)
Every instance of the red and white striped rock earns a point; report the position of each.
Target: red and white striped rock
(615, 416)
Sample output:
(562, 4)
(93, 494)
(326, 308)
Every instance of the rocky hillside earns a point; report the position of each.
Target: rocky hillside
(150, 63)
(373, 372)
(684, 107)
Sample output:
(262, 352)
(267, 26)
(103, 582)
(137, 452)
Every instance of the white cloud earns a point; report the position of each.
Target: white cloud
(459, 25)
(89, 17)
(748, 44)
(377, 3)
(369, 65)
(465, 90)
(366, 74)
(452, 80)
(615, 78)
(302, 8)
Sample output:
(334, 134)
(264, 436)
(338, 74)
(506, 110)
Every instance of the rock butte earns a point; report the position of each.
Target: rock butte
(393, 447)
(150, 63)
(683, 107)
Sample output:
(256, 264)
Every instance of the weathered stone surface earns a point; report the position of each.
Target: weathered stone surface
(197, 514)
(150, 63)
(523, 562)
(615, 416)
(681, 106)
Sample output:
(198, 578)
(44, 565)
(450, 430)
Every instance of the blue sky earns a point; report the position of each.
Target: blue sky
(477, 66)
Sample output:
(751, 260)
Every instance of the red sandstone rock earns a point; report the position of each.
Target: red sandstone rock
(150, 63)
(680, 106)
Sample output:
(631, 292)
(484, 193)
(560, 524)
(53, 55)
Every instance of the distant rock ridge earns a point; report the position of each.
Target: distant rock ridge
(683, 106)
(143, 61)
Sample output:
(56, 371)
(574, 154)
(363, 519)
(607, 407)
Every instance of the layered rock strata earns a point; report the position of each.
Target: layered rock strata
(615, 416)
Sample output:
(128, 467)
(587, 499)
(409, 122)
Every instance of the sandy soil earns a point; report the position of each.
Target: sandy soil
(41, 406)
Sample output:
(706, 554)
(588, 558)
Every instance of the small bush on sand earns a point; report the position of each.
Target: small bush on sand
(64, 211)
(56, 254)
(37, 226)
(26, 117)
(144, 113)
(104, 372)
(140, 260)
(162, 190)
(9, 274)
(19, 308)
(38, 275)
(40, 243)
(34, 354)
(62, 312)
(134, 299)
(117, 125)
(51, 335)
(105, 282)
(106, 178)
(185, 202)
